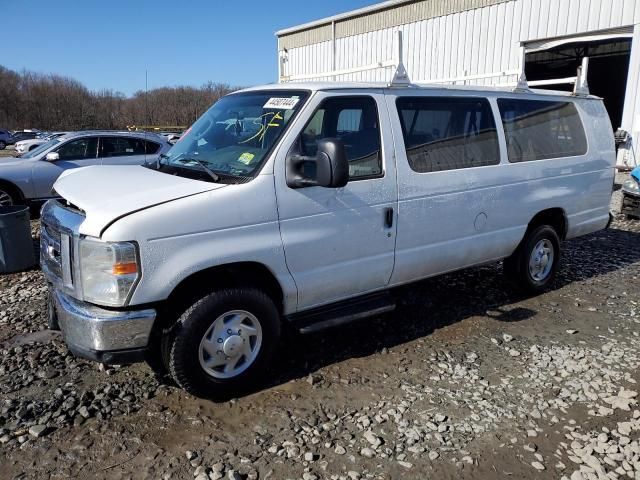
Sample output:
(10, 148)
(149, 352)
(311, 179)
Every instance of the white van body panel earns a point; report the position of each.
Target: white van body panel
(237, 223)
(325, 245)
(335, 240)
(241, 225)
(452, 219)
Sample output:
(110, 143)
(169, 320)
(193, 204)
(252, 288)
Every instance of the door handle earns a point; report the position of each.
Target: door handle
(388, 217)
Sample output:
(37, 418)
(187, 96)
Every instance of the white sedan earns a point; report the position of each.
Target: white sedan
(24, 146)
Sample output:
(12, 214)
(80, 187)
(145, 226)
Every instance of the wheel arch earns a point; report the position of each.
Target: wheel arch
(13, 189)
(555, 217)
(246, 274)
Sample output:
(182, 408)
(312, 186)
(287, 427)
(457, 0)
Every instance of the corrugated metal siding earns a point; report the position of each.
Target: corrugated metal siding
(408, 13)
(470, 42)
(389, 17)
(306, 37)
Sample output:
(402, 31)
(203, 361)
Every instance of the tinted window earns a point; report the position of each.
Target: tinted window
(540, 129)
(124, 146)
(83, 148)
(354, 120)
(448, 133)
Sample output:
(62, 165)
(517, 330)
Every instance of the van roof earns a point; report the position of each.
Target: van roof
(324, 86)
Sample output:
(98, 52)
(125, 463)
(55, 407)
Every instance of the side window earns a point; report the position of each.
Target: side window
(448, 133)
(541, 129)
(354, 120)
(151, 147)
(81, 149)
(125, 146)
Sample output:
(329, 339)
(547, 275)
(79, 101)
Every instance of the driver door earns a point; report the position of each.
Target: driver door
(81, 152)
(339, 242)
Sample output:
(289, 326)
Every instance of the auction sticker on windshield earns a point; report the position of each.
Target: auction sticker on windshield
(282, 103)
(246, 158)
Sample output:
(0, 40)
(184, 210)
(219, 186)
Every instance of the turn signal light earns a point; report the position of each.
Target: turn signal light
(125, 268)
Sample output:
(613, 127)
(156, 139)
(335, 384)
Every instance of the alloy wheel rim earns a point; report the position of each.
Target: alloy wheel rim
(231, 344)
(541, 260)
(5, 199)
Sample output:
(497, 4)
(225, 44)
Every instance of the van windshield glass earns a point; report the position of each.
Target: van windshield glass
(234, 137)
(41, 148)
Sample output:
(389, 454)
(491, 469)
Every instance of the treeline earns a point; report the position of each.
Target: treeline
(54, 102)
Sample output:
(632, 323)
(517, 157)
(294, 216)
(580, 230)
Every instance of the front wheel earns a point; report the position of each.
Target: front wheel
(6, 197)
(222, 343)
(534, 264)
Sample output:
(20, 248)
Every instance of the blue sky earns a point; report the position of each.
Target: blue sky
(110, 43)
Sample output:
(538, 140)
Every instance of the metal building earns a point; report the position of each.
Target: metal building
(486, 42)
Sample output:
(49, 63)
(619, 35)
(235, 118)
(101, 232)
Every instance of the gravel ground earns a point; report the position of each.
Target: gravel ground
(464, 380)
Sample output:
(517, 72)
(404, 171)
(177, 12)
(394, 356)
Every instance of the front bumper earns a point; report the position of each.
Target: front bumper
(105, 336)
(630, 204)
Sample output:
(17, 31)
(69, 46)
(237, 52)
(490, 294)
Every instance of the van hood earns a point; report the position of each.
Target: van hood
(106, 193)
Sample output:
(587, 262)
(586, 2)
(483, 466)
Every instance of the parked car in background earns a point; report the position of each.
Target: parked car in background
(23, 135)
(29, 179)
(24, 146)
(5, 138)
(336, 195)
(631, 194)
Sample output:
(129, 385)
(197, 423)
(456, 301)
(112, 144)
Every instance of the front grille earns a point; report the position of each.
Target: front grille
(631, 205)
(59, 228)
(50, 251)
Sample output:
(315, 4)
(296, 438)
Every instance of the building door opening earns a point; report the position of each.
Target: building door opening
(608, 68)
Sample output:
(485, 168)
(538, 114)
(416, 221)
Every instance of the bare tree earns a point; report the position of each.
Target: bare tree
(53, 102)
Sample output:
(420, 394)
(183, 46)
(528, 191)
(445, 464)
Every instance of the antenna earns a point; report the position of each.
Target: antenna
(400, 76)
(146, 113)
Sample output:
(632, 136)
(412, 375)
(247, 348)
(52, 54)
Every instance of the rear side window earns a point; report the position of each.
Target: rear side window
(541, 129)
(448, 133)
(354, 120)
(125, 146)
(81, 149)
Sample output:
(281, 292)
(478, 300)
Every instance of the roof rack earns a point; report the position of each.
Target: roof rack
(400, 77)
(581, 87)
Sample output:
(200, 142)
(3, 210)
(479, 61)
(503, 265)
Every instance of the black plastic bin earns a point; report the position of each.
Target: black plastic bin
(16, 245)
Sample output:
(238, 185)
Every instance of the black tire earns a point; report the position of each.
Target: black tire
(3, 145)
(516, 267)
(181, 350)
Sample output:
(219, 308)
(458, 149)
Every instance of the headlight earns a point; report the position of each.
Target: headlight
(108, 271)
(631, 185)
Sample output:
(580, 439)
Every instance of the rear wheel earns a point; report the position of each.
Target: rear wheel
(533, 266)
(222, 342)
(3, 145)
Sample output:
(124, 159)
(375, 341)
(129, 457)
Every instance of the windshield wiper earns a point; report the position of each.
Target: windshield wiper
(211, 173)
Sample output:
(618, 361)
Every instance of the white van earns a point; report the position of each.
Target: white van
(306, 204)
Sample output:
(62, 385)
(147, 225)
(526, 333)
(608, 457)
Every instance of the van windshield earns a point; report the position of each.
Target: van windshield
(234, 137)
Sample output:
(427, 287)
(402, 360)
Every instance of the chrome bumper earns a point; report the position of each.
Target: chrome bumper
(108, 336)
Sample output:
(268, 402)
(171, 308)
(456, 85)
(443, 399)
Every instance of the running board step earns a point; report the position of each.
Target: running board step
(342, 312)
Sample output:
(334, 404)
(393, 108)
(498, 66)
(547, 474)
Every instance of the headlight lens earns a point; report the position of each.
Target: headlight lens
(109, 271)
(631, 185)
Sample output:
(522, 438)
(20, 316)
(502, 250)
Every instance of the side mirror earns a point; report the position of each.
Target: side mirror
(52, 156)
(329, 168)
